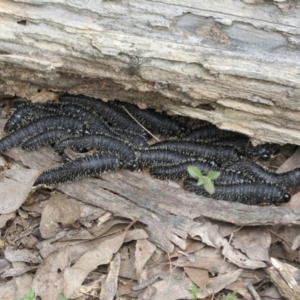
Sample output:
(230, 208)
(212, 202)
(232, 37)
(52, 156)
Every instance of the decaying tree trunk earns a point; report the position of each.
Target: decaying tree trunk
(234, 63)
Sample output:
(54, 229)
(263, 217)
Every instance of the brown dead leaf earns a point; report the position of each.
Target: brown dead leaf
(29, 241)
(198, 276)
(110, 285)
(240, 259)
(4, 265)
(209, 259)
(37, 159)
(90, 213)
(3, 163)
(17, 269)
(170, 288)
(15, 187)
(271, 293)
(23, 255)
(48, 280)
(294, 202)
(125, 287)
(16, 230)
(16, 287)
(291, 163)
(240, 288)
(46, 246)
(208, 232)
(135, 234)
(219, 283)
(286, 236)
(143, 251)
(253, 241)
(58, 210)
(98, 230)
(99, 255)
(127, 269)
(5, 217)
(296, 243)
(191, 247)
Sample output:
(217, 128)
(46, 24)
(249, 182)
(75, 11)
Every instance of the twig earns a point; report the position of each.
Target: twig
(279, 236)
(252, 291)
(147, 283)
(141, 124)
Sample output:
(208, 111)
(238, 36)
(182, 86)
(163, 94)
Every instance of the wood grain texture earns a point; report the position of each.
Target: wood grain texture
(169, 211)
(234, 63)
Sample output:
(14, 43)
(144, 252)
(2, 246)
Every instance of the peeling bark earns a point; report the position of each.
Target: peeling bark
(234, 63)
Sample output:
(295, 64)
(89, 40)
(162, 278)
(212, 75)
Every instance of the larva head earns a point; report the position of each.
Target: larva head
(282, 197)
(263, 152)
(131, 165)
(265, 156)
(286, 197)
(120, 163)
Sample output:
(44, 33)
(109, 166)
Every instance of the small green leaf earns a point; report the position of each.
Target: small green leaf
(213, 175)
(194, 172)
(209, 187)
(62, 297)
(31, 293)
(201, 181)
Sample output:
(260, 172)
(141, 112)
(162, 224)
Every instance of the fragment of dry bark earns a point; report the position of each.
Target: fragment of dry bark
(286, 278)
(237, 61)
(110, 284)
(168, 210)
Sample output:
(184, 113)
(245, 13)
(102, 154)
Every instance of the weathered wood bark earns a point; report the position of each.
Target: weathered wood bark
(234, 63)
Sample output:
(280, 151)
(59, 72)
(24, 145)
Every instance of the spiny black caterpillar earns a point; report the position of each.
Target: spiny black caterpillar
(179, 171)
(218, 154)
(18, 137)
(89, 165)
(114, 116)
(37, 124)
(101, 143)
(46, 138)
(154, 157)
(256, 172)
(176, 171)
(246, 149)
(153, 121)
(248, 193)
(210, 133)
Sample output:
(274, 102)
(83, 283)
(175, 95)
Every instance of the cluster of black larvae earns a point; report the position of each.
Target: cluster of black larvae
(114, 135)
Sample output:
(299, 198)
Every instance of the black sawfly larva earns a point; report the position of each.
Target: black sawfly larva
(246, 149)
(211, 133)
(46, 138)
(112, 115)
(23, 116)
(261, 174)
(153, 121)
(101, 143)
(87, 166)
(18, 137)
(218, 154)
(154, 157)
(178, 171)
(249, 193)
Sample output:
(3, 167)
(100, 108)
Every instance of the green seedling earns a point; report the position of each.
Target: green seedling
(230, 296)
(29, 296)
(194, 291)
(62, 297)
(207, 180)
